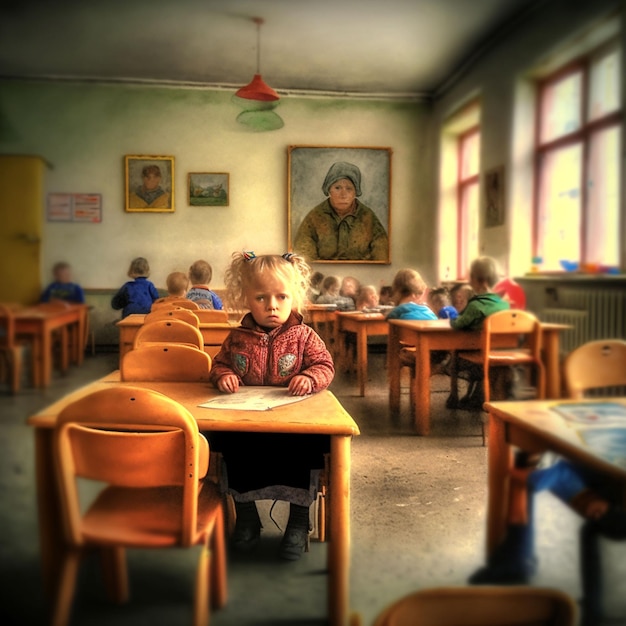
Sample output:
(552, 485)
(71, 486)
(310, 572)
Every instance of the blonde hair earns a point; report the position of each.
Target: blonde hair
(408, 282)
(484, 270)
(200, 273)
(364, 293)
(245, 269)
(177, 283)
(139, 267)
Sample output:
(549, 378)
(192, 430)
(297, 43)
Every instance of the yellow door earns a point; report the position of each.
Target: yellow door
(21, 196)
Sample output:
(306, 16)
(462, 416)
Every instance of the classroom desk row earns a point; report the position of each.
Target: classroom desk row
(37, 324)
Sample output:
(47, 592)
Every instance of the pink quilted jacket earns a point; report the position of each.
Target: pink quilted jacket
(274, 358)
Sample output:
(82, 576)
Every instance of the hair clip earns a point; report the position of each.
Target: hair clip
(248, 255)
(289, 256)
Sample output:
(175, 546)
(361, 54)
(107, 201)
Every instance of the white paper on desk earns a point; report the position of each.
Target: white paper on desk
(253, 399)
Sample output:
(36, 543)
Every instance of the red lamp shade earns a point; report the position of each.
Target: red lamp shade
(257, 89)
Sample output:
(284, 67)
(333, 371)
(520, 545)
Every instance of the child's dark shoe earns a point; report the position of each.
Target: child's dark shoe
(293, 543)
(247, 531)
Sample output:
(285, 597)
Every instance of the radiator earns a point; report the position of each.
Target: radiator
(592, 313)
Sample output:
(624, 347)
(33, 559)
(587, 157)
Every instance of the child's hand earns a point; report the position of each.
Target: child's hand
(229, 383)
(300, 386)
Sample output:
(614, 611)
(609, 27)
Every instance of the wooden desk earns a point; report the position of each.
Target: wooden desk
(438, 335)
(319, 414)
(38, 322)
(363, 325)
(533, 426)
(213, 334)
(322, 319)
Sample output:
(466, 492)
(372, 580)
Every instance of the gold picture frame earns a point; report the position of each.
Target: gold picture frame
(311, 232)
(208, 188)
(149, 184)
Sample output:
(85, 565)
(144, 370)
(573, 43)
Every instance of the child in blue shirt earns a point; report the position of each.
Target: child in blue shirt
(200, 274)
(137, 295)
(62, 288)
(408, 291)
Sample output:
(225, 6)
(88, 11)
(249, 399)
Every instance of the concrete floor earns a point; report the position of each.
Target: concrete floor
(418, 518)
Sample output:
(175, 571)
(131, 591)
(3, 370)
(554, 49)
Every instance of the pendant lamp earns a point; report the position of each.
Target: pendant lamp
(257, 98)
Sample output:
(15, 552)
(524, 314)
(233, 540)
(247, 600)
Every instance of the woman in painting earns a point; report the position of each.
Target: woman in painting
(341, 227)
(150, 194)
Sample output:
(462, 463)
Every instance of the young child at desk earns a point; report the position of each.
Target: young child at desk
(330, 294)
(200, 274)
(177, 284)
(62, 288)
(460, 295)
(271, 347)
(138, 294)
(408, 292)
(367, 298)
(439, 302)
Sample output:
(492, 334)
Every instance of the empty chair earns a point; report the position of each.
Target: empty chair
(210, 316)
(169, 331)
(511, 337)
(166, 363)
(147, 451)
(184, 315)
(183, 303)
(481, 606)
(10, 350)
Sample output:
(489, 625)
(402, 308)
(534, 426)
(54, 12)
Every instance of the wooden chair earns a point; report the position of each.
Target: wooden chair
(9, 348)
(183, 303)
(511, 337)
(595, 369)
(481, 606)
(165, 363)
(184, 315)
(211, 316)
(169, 331)
(147, 450)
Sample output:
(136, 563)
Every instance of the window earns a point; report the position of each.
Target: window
(577, 159)
(467, 199)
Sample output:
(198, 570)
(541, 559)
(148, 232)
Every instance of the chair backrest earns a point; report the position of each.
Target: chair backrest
(166, 302)
(484, 606)
(510, 328)
(595, 365)
(210, 316)
(7, 327)
(160, 362)
(169, 331)
(184, 315)
(128, 437)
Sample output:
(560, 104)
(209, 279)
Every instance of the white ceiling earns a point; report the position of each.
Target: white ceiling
(393, 47)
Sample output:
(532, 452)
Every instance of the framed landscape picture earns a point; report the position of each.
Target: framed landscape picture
(149, 184)
(208, 189)
(339, 203)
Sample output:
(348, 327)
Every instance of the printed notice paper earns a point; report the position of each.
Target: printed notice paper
(253, 399)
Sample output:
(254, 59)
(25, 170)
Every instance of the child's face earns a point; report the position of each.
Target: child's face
(371, 300)
(459, 300)
(63, 275)
(270, 301)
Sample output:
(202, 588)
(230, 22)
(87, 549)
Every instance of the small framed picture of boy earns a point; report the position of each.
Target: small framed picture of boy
(208, 189)
(149, 184)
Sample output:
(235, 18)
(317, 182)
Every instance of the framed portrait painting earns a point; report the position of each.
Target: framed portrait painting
(339, 203)
(494, 197)
(207, 189)
(149, 184)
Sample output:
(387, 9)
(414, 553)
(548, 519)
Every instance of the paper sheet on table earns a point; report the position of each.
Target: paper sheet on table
(253, 399)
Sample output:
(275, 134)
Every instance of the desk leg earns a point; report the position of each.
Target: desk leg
(339, 544)
(361, 350)
(500, 462)
(393, 369)
(48, 511)
(421, 389)
(46, 357)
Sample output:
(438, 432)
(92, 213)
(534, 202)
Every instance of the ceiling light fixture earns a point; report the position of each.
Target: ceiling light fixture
(257, 98)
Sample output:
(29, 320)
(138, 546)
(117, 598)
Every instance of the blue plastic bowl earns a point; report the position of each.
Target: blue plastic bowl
(569, 266)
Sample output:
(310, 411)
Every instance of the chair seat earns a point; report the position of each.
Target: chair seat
(146, 517)
(499, 357)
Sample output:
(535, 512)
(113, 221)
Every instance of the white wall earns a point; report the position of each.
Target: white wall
(85, 130)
